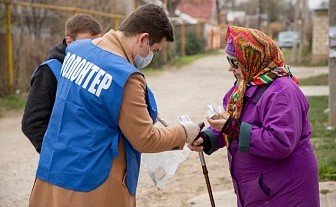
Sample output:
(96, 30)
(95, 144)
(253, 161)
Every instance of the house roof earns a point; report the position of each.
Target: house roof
(185, 17)
(196, 8)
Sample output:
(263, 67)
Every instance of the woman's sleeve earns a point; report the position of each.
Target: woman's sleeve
(281, 114)
(213, 140)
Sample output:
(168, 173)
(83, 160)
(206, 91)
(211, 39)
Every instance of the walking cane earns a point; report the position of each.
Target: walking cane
(205, 171)
(204, 167)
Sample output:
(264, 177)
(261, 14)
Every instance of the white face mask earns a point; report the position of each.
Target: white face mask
(141, 62)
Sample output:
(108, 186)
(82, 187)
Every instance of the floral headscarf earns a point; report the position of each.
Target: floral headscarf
(260, 59)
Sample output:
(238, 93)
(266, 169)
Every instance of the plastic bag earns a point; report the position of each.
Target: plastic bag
(161, 166)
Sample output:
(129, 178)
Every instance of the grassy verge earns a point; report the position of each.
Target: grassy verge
(11, 102)
(306, 62)
(150, 71)
(185, 60)
(315, 81)
(180, 61)
(324, 140)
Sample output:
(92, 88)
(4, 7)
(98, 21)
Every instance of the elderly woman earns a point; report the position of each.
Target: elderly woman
(265, 127)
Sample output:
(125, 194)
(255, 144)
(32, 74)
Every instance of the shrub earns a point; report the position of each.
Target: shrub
(194, 45)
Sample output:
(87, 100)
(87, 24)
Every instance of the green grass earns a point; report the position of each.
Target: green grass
(324, 140)
(151, 71)
(185, 60)
(180, 61)
(11, 102)
(317, 80)
(288, 54)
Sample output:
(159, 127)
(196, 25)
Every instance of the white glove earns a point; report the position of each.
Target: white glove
(191, 130)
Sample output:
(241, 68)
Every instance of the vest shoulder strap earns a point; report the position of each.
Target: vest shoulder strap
(55, 66)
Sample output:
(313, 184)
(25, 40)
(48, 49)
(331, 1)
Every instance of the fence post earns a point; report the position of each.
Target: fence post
(198, 30)
(116, 24)
(135, 5)
(332, 63)
(9, 47)
(165, 54)
(183, 39)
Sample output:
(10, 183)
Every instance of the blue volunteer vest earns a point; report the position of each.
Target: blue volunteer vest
(83, 133)
(55, 67)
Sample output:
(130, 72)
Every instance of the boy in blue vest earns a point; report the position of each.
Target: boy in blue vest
(43, 83)
(103, 118)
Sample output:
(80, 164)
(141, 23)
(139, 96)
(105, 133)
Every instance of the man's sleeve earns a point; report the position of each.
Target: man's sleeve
(137, 125)
(39, 105)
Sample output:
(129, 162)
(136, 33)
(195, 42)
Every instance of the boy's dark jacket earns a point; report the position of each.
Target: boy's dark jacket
(41, 99)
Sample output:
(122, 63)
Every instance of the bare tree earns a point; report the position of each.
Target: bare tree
(34, 18)
(172, 5)
(229, 4)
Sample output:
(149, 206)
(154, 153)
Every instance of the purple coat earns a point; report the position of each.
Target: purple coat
(273, 163)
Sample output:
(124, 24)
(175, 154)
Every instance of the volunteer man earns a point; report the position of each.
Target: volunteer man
(103, 118)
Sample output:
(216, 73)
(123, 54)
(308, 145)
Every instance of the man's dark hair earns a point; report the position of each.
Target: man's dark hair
(82, 23)
(150, 19)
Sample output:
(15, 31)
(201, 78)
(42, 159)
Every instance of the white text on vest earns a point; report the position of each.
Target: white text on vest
(83, 72)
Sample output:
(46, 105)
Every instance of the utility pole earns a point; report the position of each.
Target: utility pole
(297, 28)
(303, 29)
(332, 63)
(259, 14)
(213, 12)
(9, 47)
(129, 7)
(218, 13)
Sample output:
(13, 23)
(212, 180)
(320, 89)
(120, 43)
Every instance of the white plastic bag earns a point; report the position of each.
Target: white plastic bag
(161, 166)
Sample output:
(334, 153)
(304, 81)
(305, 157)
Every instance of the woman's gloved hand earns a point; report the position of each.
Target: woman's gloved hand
(191, 130)
(219, 122)
(207, 142)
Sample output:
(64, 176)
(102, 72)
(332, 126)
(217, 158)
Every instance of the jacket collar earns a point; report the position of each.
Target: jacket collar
(250, 91)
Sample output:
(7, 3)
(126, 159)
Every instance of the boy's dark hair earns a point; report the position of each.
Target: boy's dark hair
(150, 19)
(82, 23)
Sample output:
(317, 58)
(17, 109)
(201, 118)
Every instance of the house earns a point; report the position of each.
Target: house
(205, 11)
(202, 9)
(320, 47)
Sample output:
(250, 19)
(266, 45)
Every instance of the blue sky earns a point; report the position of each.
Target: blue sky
(314, 3)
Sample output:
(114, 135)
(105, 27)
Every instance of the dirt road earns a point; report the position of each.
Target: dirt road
(178, 91)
